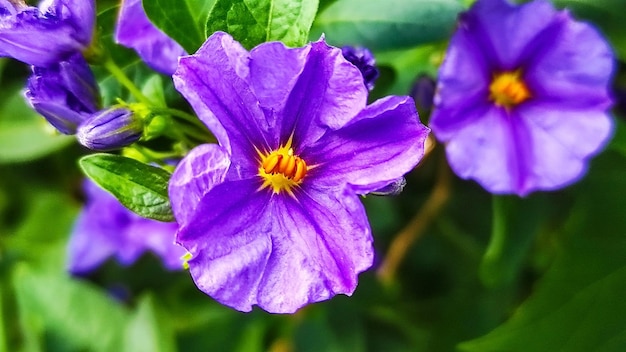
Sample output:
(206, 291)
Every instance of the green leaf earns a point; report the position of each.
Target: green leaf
(141, 188)
(182, 20)
(79, 314)
(606, 15)
(382, 25)
(24, 134)
(253, 22)
(149, 330)
(578, 305)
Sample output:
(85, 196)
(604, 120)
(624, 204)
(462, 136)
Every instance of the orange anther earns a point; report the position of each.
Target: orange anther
(300, 171)
(291, 166)
(270, 163)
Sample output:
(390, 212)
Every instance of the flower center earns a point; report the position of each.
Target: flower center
(281, 169)
(508, 89)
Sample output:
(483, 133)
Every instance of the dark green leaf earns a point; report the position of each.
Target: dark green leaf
(252, 22)
(79, 314)
(381, 25)
(578, 305)
(141, 188)
(182, 20)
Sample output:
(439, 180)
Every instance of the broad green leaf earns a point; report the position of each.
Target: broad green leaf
(24, 134)
(141, 188)
(149, 330)
(608, 15)
(77, 313)
(382, 25)
(578, 305)
(183, 20)
(253, 22)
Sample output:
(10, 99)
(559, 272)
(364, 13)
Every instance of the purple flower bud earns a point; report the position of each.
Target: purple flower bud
(423, 92)
(364, 60)
(110, 129)
(65, 93)
(45, 35)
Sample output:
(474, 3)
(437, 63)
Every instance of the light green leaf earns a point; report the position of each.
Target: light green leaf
(252, 22)
(382, 25)
(141, 188)
(149, 330)
(24, 134)
(79, 314)
(578, 306)
(182, 20)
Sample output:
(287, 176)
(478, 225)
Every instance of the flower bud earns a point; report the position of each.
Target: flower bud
(364, 60)
(423, 92)
(110, 129)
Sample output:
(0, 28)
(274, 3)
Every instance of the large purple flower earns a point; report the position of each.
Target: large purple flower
(65, 93)
(134, 30)
(272, 216)
(522, 97)
(45, 35)
(105, 228)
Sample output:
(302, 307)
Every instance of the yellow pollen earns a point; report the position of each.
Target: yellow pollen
(281, 169)
(508, 89)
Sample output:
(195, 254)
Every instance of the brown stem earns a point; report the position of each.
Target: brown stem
(416, 226)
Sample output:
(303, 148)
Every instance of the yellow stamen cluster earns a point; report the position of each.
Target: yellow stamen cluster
(508, 89)
(281, 169)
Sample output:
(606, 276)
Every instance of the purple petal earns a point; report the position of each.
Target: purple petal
(201, 170)
(87, 250)
(559, 144)
(575, 68)
(62, 118)
(484, 150)
(159, 238)
(229, 242)
(328, 94)
(381, 144)
(214, 81)
(320, 242)
(134, 30)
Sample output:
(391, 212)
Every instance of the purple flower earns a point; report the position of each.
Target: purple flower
(364, 60)
(105, 228)
(271, 216)
(65, 93)
(110, 129)
(423, 91)
(48, 34)
(522, 97)
(134, 30)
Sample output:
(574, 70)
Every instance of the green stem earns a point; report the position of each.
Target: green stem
(490, 267)
(121, 77)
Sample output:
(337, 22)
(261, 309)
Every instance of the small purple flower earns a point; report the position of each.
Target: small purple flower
(271, 216)
(45, 35)
(523, 97)
(110, 129)
(364, 60)
(105, 228)
(65, 93)
(134, 30)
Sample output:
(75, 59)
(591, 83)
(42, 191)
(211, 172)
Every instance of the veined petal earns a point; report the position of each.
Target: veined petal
(329, 93)
(380, 145)
(214, 81)
(201, 170)
(320, 242)
(229, 240)
(134, 30)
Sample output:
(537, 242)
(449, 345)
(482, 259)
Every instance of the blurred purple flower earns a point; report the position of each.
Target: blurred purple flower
(134, 30)
(65, 93)
(45, 35)
(522, 97)
(105, 228)
(272, 216)
(423, 91)
(364, 60)
(110, 129)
